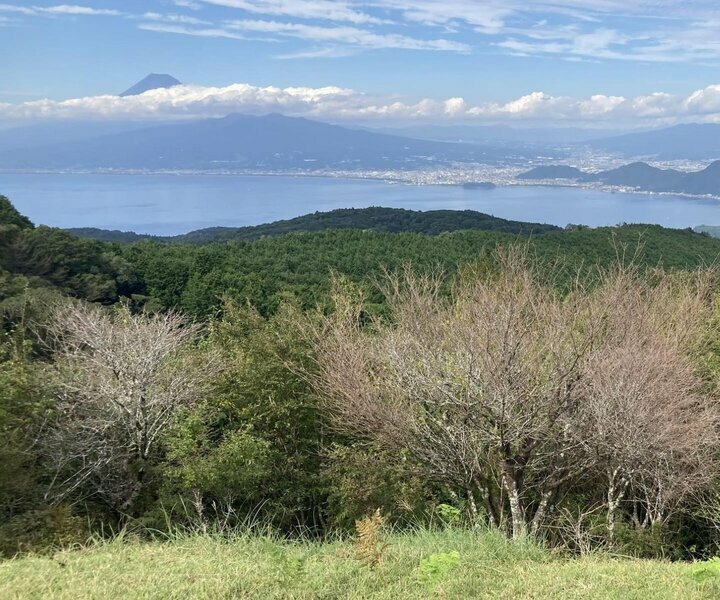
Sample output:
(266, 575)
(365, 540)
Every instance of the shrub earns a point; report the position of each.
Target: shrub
(435, 568)
(42, 530)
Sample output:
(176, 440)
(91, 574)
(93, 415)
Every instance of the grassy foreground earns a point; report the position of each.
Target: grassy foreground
(449, 564)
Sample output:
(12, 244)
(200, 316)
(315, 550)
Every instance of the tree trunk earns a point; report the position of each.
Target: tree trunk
(540, 512)
(615, 493)
(473, 506)
(517, 513)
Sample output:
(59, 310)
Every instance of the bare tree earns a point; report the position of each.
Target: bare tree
(121, 380)
(479, 388)
(489, 389)
(649, 430)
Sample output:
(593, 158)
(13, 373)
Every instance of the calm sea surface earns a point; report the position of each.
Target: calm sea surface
(171, 204)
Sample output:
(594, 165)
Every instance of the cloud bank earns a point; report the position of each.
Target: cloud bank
(343, 104)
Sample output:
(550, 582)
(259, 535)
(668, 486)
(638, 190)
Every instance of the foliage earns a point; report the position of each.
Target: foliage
(361, 477)
(24, 406)
(258, 444)
(369, 547)
(297, 257)
(260, 421)
(9, 215)
(646, 542)
(236, 463)
(43, 530)
(449, 515)
(375, 218)
(47, 257)
(195, 279)
(435, 568)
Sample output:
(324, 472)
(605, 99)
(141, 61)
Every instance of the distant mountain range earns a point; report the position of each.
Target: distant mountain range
(277, 142)
(391, 220)
(153, 81)
(501, 134)
(56, 133)
(245, 142)
(696, 141)
(639, 175)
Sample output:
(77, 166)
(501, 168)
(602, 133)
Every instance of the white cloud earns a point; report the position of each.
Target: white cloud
(72, 9)
(599, 105)
(640, 30)
(17, 9)
(575, 30)
(454, 106)
(705, 101)
(191, 4)
(488, 16)
(196, 32)
(335, 103)
(327, 10)
(603, 43)
(351, 36)
(324, 52)
(60, 9)
(172, 18)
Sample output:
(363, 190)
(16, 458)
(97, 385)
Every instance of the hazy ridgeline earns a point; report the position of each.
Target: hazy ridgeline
(562, 386)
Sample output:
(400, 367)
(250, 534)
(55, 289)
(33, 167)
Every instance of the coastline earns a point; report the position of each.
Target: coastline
(393, 178)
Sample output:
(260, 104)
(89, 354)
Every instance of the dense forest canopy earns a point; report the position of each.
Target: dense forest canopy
(272, 264)
(375, 218)
(9, 215)
(226, 350)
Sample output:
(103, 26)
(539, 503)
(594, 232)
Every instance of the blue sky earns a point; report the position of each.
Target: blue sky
(576, 61)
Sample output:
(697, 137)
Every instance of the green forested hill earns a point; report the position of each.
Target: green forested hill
(48, 258)
(376, 218)
(288, 258)
(262, 271)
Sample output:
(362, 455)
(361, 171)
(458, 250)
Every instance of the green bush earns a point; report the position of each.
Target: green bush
(435, 568)
(647, 542)
(43, 530)
(363, 478)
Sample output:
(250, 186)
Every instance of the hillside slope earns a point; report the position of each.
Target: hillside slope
(641, 176)
(195, 278)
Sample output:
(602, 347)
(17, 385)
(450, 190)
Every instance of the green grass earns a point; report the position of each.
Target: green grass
(204, 567)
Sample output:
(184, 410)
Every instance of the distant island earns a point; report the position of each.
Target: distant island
(638, 176)
(711, 230)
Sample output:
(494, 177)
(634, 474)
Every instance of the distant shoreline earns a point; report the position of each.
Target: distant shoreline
(393, 180)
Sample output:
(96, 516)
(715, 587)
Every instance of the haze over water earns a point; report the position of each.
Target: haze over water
(170, 204)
